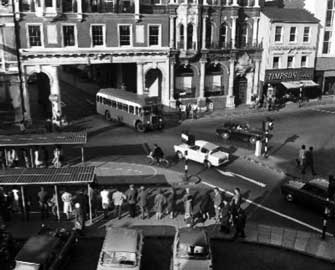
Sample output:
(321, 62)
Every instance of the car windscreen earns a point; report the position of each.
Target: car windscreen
(147, 110)
(119, 258)
(26, 266)
(218, 149)
(195, 252)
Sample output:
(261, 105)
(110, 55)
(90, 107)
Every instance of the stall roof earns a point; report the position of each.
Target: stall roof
(298, 84)
(43, 139)
(47, 176)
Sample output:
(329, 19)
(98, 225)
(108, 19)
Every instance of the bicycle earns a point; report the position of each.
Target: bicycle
(162, 161)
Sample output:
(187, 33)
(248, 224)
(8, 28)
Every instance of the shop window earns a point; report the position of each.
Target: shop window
(278, 33)
(48, 3)
(34, 33)
(275, 62)
(69, 35)
(124, 35)
(306, 34)
(290, 61)
(293, 31)
(97, 32)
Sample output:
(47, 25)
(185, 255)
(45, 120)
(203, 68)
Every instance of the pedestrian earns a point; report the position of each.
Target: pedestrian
(225, 217)
(44, 157)
(16, 198)
(105, 201)
(37, 159)
(2, 159)
(309, 161)
(67, 204)
(25, 157)
(79, 218)
(53, 205)
(217, 200)
(331, 187)
(188, 110)
(194, 111)
(43, 203)
(12, 158)
(236, 200)
(57, 159)
(179, 108)
(159, 203)
(93, 199)
(142, 202)
(171, 203)
(131, 195)
(118, 199)
(188, 206)
(301, 160)
(82, 199)
(205, 206)
(239, 219)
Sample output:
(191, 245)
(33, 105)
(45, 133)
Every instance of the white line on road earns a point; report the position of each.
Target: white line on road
(231, 174)
(272, 211)
(323, 111)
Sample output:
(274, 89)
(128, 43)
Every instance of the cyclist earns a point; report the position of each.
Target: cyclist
(157, 153)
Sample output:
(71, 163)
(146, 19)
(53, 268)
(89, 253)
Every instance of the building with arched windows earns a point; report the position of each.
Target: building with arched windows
(175, 49)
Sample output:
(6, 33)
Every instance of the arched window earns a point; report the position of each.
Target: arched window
(244, 35)
(223, 35)
(189, 36)
(181, 36)
(208, 34)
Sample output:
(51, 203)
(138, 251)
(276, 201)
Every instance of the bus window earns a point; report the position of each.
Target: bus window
(125, 107)
(108, 102)
(104, 101)
(136, 110)
(131, 109)
(98, 98)
(113, 103)
(119, 106)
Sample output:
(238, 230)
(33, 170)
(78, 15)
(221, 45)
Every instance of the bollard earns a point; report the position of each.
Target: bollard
(325, 220)
(266, 143)
(258, 148)
(186, 167)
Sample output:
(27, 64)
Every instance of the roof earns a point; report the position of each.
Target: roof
(320, 182)
(120, 239)
(47, 176)
(43, 139)
(192, 236)
(37, 249)
(208, 145)
(290, 15)
(129, 96)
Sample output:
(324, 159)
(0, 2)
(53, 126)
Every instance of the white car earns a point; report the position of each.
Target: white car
(191, 250)
(203, 152)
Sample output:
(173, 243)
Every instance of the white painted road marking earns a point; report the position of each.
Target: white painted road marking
(231, 174)
(323, 111)
(272, 211)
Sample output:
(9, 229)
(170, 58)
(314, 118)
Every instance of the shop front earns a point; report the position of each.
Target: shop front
(288, 84)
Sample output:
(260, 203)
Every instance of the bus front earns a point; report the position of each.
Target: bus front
(153, 113)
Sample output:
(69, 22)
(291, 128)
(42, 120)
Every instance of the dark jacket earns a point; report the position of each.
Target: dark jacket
(142, 198)
(131, 196)
(171, 201)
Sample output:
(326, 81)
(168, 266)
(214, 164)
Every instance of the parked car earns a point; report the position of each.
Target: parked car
(312, 194)
(203, 152)
(122, 249)
(191, 250)
(50, 249)
(241, 131)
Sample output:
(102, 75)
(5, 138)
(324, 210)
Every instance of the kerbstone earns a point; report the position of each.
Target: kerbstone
(300, 243)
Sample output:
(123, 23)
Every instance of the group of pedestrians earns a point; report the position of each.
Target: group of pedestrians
(305, 160)
(38, 158)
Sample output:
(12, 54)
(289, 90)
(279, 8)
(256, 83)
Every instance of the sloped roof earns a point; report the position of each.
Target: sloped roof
(290, 15)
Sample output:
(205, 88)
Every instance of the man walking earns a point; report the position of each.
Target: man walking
(131, 200)
(67, 204)
(118, 199)
(43, 203)
(159, 203)
(301, 160)
(309, 161)
(105, 201)
(217, 203)
(142, 202)
(171, 203)
(240, 219)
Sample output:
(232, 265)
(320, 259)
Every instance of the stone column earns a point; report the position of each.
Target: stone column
(26, 101)
(17, 8)
(172, 28)
(230, 97)
(204, 28)
(54, 89)
(137, 10)
(202, 79)
(255, 31)
(172, 78)
(140, 82)
(79, 10)
(233, 31)
(256, 76)
(195, 38)
(185, 36)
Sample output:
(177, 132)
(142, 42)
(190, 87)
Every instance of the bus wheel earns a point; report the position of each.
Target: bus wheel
(140, 127)
(107, 116)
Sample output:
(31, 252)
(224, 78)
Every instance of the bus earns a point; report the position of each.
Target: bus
(139, 111)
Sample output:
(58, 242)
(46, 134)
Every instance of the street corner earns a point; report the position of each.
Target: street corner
(265, 162)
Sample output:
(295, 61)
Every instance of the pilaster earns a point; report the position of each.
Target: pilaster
(230, 103)
(140, 81)
(233, 31)
(204, 29)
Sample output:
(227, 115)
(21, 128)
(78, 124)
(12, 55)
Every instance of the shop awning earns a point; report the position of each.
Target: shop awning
(298, 84)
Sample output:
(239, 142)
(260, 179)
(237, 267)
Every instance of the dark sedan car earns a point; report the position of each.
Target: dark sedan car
(241, 131)
(312, 194)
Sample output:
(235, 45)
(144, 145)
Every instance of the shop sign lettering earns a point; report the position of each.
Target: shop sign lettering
(288, 75)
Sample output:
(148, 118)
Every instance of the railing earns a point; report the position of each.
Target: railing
(109, 7)
(250, 45)
(220, 45)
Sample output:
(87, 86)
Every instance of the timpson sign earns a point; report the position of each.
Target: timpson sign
(283, 75)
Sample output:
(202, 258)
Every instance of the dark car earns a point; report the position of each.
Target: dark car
(49, 249)
(241, 131)
(312, 194)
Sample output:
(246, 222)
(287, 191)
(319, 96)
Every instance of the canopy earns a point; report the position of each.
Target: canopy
(47, 176)
(298, 84)
(43, 139)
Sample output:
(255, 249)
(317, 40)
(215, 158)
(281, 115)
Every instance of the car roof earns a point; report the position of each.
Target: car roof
(208, 145)
(320, 183)
(192, 236)
(120, 239)
(37, 249)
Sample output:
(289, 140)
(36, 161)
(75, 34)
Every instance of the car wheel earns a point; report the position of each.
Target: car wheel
(225, 135)
(140, 127)
(252, 140)
(180, 155)
(207, 164)
(107, 116)
(289, 197)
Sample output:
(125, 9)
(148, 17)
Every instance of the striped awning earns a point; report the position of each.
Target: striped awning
(43, 139)
(298, 84)
(47, 176)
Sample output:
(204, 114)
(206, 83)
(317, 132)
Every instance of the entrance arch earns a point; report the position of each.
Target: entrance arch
(153, 82)
(240, 90)
(214, 80)
(39, 92)
(185, 82)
